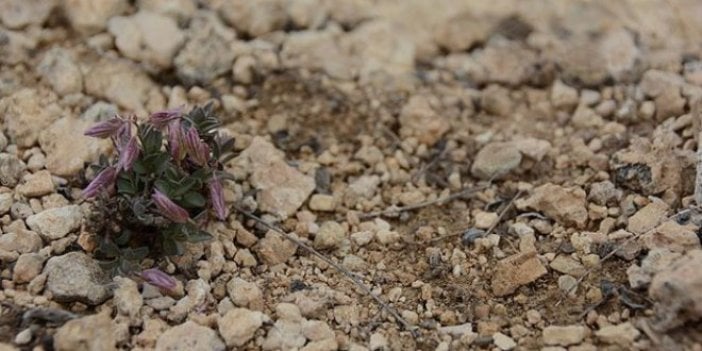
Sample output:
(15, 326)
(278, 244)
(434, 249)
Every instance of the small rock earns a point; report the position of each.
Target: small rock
(55, 223)
(322, 202)
(67, 149)
(503, 342)
(23, 337)
(26, 113)
(648, 217)
(59, 68)
(622, 334)
(463, 31)
(11, 169)
(563, 96)
(21, 241)
(282, 189)
(273, 249)
(76, 277)
(496, 159)
(418, 119)
(38, 184)
(673, 236)
(507, 62)
(566, 205)
(362, 238)
(28, 266)
(496, 101)
(239, 325)
(317, 51)
(287, 331)
(317, 330)
(124, 84)
(567, 284)
(147, 37)
(256, 18)
(206, 33)
(657, 260)
(604, 193)
(565, 335)
(15, 14)
(244, 258)
(245, 294)
(181, 10)
(127, 298)
(378, 342)
(90, 333)
(677, 291)
(330, 236)
(484, 220)
(457, 330)
(533, 148)
(190, 336)
(567, 265)
(387, 237)
(515, 271)
(88, 17)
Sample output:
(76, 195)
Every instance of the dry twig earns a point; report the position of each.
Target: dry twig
(353, 277)
(394, 211)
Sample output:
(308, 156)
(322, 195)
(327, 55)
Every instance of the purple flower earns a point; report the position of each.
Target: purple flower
(128, 154)
(106, 129)
(175, 140)
(217, 197)
(198, 151)
(102, 181)
(158, 278)
(161, 119)
(168, 208)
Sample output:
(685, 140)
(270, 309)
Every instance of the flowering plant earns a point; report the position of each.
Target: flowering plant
(162, 187)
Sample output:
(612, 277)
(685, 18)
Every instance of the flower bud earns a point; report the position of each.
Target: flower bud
(106, 129)
(168, 208)
(158, 278)
(198, 151)
(128, 154)
(217, 198)
(102, 181)
(161, 119)
(175, 140)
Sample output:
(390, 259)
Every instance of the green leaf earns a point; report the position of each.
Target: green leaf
(195, 234)
(125, 185)
(136, 255)
(151, 139)
(172, 247)
(124, 237)
(193, 200)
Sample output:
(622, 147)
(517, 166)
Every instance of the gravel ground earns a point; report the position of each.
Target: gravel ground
(506, 175)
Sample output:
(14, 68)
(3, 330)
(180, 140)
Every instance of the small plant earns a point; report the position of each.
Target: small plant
(160, 189)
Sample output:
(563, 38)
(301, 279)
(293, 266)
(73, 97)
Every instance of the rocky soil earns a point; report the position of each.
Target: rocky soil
(507, 174)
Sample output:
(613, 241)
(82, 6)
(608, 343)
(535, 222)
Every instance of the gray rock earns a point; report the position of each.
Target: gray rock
(28, 266)
(189, 336)
(181, 10)
(38, 184)
(15, 14)
(89, 17)
(11, 169)
(255, 18)
(565, 335)
(566, 205)
(245, 294)
(26, 113)
(329, 236)
(239, 325)
(99, 111)
(21, 241)
(148, 37)
(496, 159)
(124, 84)
(463, 31)
(273, 249)
(55, 223)
(60, 70)
(677, 290)
(127, 297)
(567, 265)
(76, 277)
(621, 334)
(507, 62)
(6, 202)
(282, 188)
(67, 149)
(90, 333)
(206, 34)
(418, 119)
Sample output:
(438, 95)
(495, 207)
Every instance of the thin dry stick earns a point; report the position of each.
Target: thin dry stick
(615, 250)
(398, 210)
(492, 227)
(405, 324)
